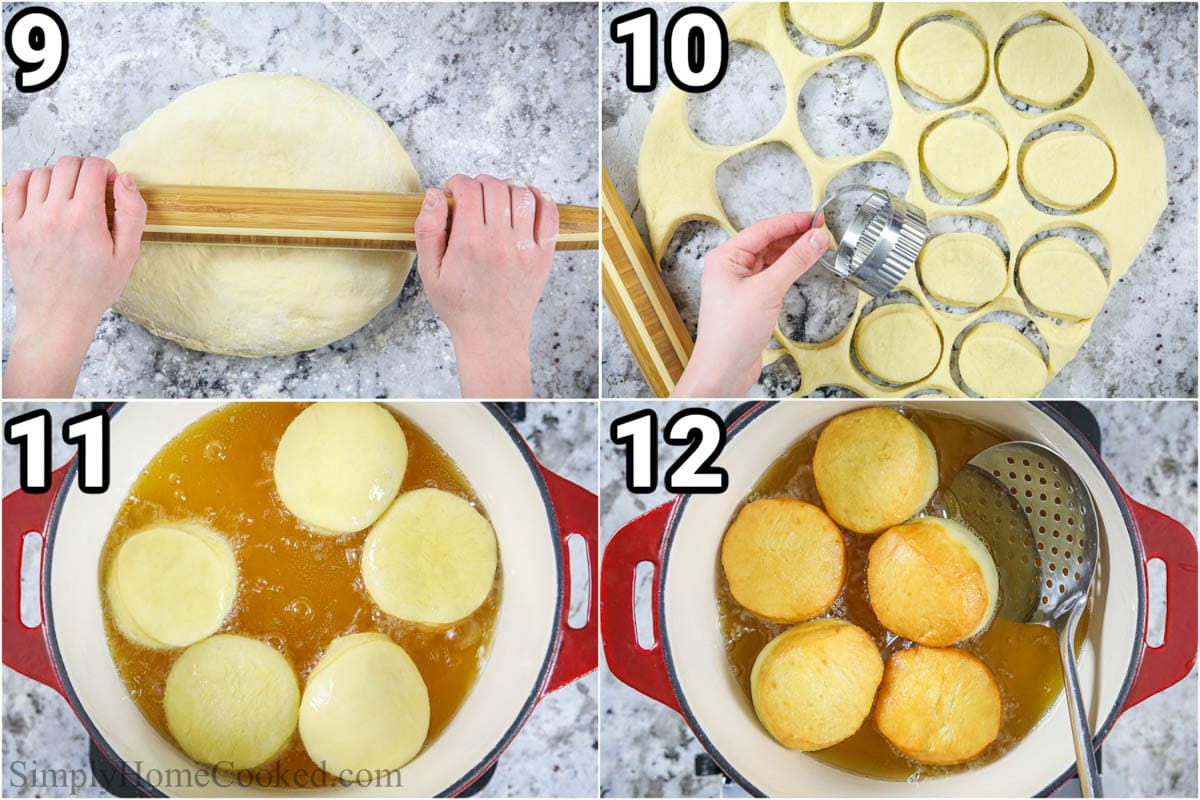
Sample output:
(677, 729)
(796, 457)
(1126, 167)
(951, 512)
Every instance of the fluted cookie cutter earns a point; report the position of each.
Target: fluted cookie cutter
(880, 245)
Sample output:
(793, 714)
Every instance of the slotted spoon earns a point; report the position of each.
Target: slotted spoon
(1036, 516)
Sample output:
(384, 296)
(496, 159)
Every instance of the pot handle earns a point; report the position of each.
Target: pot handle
(578, 512)
(25, 647)
(1169, 663)
(640, 668)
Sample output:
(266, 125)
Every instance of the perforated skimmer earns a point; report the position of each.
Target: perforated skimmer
(881, 243)
(1037, 518)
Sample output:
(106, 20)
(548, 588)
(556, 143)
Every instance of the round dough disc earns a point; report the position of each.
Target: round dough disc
(964, 157)
(430, 559)
(273, 131)
(1067, 170)
(173, 584)
(339, 465)
(943, 60)
(837, 24)
(233, 701)
(962, 269)
(898, 343)
(995, 360)
(1043, 64)
(1062, 279)
(365, 706)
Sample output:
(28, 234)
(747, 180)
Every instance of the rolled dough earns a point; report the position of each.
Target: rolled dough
(898, 343)
(995, 360)
(943, 60)
(1043, 64)
(817, 20)
(273, 131)
(1062, 279)
(964, 157)
(962, 269)
(1067, 169)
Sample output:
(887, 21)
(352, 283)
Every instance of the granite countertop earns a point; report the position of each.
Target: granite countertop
(1143, 343)
(554, 755)
(1150, 446)
(504, 89)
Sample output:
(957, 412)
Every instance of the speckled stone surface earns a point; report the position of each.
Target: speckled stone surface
(1143, 343)
(504, 89)
(1150, 446)
(554, 755)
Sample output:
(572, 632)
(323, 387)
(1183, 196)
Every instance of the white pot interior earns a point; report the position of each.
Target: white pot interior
(726, 718)
(525, 629)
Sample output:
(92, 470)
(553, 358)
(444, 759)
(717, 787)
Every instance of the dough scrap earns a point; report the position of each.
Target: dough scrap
(962, 269)
(272, 131)
(943, 60)
(1043, 64)
(1062, 279)
(431, 558)
(340, 464)
(232, 701)
(995, 360)
(964, 157)
(365, 706)
(898, 343)
(848, 24)
(172, 584)
(1067, 170)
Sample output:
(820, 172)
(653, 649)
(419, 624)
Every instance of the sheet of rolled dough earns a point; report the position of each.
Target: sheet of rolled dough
(273, 131)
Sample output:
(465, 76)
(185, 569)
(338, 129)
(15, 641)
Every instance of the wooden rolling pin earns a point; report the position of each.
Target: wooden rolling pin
(638, 298)
(309, 218)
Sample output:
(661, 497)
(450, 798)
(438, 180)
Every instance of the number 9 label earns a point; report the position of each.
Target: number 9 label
(36, 41)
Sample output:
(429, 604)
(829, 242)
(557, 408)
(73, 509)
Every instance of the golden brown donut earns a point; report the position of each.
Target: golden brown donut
(874, 469)
(784, 559)
(813, 684)
(932, 581)
(938, 706)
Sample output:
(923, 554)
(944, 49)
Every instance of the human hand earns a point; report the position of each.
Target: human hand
(485, 277)
(67, 267)
(741, 296)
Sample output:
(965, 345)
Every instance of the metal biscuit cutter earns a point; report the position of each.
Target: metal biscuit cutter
(880, 245)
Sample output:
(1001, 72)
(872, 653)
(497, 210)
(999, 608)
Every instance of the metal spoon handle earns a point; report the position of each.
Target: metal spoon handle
(1085, 753)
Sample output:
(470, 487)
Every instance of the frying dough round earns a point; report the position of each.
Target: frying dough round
(1043, 64)
(932, 581)
(898, 343)
(340, 464)
(273, 131)
(1062, 279)
(964, 157)
(995, 360)
(365, 706)
(784, 559)
(938, 706)
(231, 701)
(838, 24)
(1067, 170)
(962, 269)
(874, 469)
(430, 559)
(172, 584)
(813, 684)
(943, 60)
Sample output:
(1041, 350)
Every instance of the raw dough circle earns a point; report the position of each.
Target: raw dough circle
(898, 343)
(1062, 279)
(815, 21)
(1043, 64)
(231, 701)
(365, 706)
(1067, 170)
(995, 360)
(275, 131)
(172, 584)
(963, 157)
(339, 465)
(943, 60)
(962, 269)
(430, 559)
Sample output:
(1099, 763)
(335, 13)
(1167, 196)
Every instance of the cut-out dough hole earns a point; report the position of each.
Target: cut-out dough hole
(898, 344)
(839, 24)
(1066, 170)
(844, 108)
(964, 158)
(722, 116)
(817, 307)
(765, 181)
(995, 359)
(682, 264)
(880, 174)
(1060, 279)
(943, 59)
(1042, 65)
(964, 270)
(781, 377)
